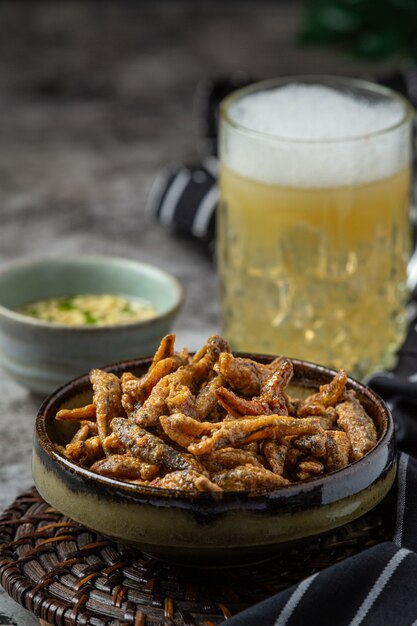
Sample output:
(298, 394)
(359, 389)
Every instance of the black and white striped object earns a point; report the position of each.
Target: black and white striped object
(378, 586)
(184, 199)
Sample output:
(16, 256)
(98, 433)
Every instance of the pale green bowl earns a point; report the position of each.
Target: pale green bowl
(42, 356)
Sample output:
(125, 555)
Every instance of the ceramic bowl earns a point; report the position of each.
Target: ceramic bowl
(42, 356)
(210, 528)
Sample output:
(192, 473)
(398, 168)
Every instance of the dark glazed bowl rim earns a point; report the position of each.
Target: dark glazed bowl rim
(183, 499)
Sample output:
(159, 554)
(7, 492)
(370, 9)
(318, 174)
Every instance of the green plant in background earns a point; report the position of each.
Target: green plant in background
(373, 30)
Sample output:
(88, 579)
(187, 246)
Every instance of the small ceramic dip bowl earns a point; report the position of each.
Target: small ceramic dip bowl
(211, 528)
(42, 355)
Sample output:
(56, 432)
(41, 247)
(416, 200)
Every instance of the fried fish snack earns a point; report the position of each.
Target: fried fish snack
(164, 362)
(314, 444)
(338, 450)
(276, 453)
(107, 398)
(328, 395)
(244, 375)
(138, 389)
(227, 458)
(190, 376)
(206, 400)
(272, 399)
(184, 429)
(309, 468)
(148, 414)
(216, 422)
(165, 350)
(358, 426)
(82, 434)
(86, 451)
(87, 412)
(181, 400)
(248, 477)
(243, 431)
(150, 448)
(124, 466)
(113, 445)
(186, 480)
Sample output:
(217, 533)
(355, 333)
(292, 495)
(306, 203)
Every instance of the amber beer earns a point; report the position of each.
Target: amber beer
(313, 234)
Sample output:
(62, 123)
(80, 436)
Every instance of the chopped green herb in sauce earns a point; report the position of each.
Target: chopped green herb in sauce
(90, 310)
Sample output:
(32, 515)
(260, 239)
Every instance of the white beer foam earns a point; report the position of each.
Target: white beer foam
(316, 137)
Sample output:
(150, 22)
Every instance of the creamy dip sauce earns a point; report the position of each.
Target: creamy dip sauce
(90, 310)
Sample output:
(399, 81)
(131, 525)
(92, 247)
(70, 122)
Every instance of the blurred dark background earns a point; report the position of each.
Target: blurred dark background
(96, 96)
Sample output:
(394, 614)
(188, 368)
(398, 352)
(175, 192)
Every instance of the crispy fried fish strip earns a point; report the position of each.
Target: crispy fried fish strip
(358, 426)
(167, 390)
(181, 400)
(184, 429)
(190, 376)
(81, 413)
(304, 408)
(206, 400)
(165, 349)
(156, 405)
(244, 375)
(271, 400)
(237, 406)
(309, 469)
(227, 458)
(313, 445)
(164, 362)
(248, 477)
(243, 431)
(329, 395)
(92, 427)
(276, 453)
(185, 480)
(212, 350)
(87, 429)
(329, 418)
(81, 434)
(124, 466)
(85, 452)
(107, 397)
(294, 455)
(273, 387)
(138, 389)
(113, 445)
(338, 450)
(201, 369)
(152, 449)
(327, 415)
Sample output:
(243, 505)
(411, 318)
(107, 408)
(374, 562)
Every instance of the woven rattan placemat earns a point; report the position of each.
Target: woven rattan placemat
(67, 575)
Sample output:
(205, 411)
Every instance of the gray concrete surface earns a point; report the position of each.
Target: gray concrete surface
(94, 99)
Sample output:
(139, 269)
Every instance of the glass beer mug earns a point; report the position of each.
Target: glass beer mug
(314, 221)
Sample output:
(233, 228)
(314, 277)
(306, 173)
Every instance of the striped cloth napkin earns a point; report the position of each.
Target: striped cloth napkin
(374, 588)
(377, 587)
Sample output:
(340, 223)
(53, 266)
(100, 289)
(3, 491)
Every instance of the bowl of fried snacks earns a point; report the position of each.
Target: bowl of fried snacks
(213, 458)
(61, 316)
